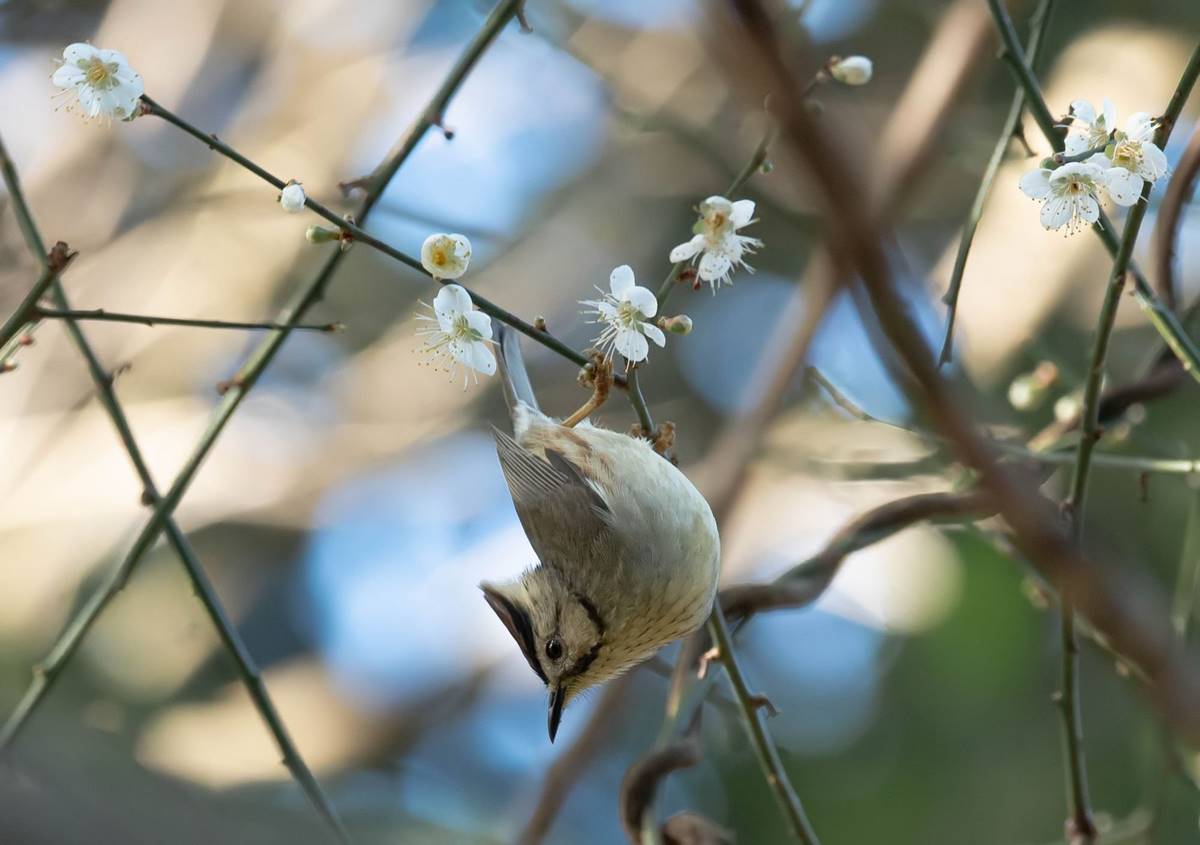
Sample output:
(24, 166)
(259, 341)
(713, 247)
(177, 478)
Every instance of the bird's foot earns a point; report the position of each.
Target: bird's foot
(598, 375)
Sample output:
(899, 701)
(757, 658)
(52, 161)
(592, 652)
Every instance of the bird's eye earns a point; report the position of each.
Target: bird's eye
(554, 649)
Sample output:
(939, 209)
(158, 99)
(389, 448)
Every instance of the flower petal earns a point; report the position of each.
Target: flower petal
(1056, 212)
(481, 323)
(1035, 184)
(1088, 209)
(79, 52)
(621, 280)
(450, 302)
(1075, 143)
(642, 299)
(714, 266)
(1154, 162)
(1124, 186)
(1083, 110)
(67, 76)
(743, 211)
(1109, 113)
(475, 355)
(632, 345)
(654, 333)
(687, 251)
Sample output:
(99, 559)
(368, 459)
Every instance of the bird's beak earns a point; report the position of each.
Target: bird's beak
(557, 696)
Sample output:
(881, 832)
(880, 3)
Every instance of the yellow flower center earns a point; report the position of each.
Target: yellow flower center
(1127, 155)
(440, 258)
(99, 74)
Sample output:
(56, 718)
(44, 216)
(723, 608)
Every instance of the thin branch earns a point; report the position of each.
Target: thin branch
(357, 233)
(1161, 317)
(1033, 48)
(100, 315)
(17, 326)
(1180, 189)
(47, 671)
(638, 400)
(1081, 825)
(1127, 617)
(805, 582)
(755, 722)
(640, 785)
(68, 642)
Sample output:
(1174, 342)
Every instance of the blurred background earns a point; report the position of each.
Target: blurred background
(354, 503)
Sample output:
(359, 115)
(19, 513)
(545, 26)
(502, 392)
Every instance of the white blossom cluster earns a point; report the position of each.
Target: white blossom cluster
(1100, 162)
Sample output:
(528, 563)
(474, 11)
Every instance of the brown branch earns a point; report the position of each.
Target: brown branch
(640, 784)
(804, 583)
(1126, 615)
(1166, 232)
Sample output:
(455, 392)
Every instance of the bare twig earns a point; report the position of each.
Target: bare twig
(48, 670)
(69, 641)
(358, 234)
(101, 315)
(1180, 189)
(1033, 48)
(1133, 628)
(805, 582)
(17, 326)
(640, 784)
(756, 729)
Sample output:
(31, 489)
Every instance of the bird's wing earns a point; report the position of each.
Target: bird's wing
(557, 507)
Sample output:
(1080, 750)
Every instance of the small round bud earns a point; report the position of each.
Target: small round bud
(1049, 163)
(852, 70)
(1068, 407)
(291, 198)
(321, 235)
(767, 166)
(1023, 393)
(679, 324)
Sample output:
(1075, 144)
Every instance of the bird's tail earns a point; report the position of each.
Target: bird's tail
(517, 388)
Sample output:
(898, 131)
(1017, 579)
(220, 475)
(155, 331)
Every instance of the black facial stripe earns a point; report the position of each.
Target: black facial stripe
(582, 664)
(519, 625)
(590, 610)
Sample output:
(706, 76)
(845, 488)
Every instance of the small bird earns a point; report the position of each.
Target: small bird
(628, 551)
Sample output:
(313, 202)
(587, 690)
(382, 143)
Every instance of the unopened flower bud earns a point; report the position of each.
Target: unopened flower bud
(291, 198)
(852, 70)
(679, 324)
(1068, 407)
(321, 235)
(1023, 393)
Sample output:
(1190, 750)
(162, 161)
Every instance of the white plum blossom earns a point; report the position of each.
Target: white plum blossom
(292, 197)
(446, 256)
(461, 335)
(1134, 159)
(1090, 130)
(106, 85)
(717, 241)
(1070, 194)
(625, 314)
(852, 70)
